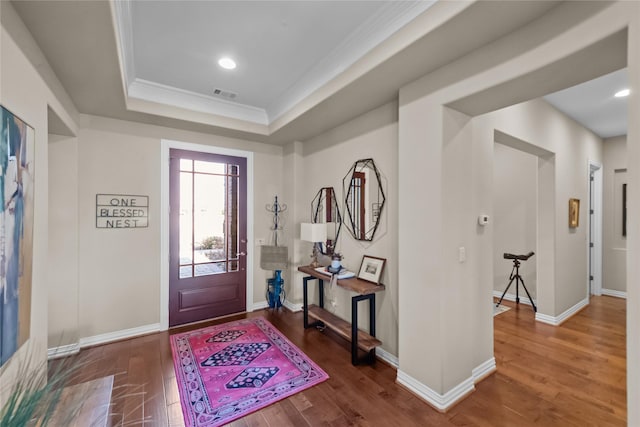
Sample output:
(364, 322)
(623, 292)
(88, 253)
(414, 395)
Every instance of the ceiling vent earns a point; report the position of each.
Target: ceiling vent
(226, 94)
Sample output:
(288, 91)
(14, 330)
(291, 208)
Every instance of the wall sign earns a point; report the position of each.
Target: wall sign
(122, 211)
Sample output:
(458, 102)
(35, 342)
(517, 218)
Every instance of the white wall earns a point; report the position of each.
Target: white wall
(119, 269)
(325, 160)
(515, 188)
(294, 194)
(614, 254)
(63, 241)
(25, 93)
(441, 296)
(573, 146)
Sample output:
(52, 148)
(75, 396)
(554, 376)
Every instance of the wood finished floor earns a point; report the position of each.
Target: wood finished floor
(572, 375)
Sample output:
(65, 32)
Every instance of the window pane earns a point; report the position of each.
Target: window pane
(209, 218)
(185, 272)
(209, 215)
(209, 167)
(186, 226)
(186, 165)
(232, 216)
(211, 268)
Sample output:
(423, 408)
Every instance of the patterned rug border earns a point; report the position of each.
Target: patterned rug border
(312, 375)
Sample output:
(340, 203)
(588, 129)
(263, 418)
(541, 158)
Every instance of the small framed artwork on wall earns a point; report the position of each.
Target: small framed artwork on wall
(371, 269)
(574, 213)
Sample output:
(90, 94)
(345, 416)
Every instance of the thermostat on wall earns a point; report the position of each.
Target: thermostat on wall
(483, 219)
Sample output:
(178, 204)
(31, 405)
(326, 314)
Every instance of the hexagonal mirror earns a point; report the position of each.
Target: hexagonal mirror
(324, 209)
(364, 199)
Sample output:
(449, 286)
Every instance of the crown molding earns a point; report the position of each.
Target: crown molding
(123, 22)
(379, 27)
(168, 95)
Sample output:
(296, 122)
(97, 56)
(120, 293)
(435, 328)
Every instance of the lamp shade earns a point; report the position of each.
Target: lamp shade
(313, 232)
(332, 228)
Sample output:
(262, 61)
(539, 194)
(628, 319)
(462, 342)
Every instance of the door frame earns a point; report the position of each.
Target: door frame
(595, 266)
(167, 145)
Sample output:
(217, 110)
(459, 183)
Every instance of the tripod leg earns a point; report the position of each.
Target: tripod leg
(506, 289)
(533, 304)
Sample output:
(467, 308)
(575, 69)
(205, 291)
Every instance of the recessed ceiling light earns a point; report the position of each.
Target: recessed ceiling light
(622, 93)
(227, 63)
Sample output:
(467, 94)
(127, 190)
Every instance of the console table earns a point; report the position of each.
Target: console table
(366, 291)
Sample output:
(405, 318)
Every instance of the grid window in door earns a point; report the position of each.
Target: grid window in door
(208, 218)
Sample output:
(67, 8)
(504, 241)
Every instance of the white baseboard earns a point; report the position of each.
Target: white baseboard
(292, 306)
(67, 350)
(260, 306)
(557, 320)
(387, 357)
(119, 335)
(444, 402)
(613, 293)
(287, 304)
(441, 402)
(483, 370)
(63, 351)
(512, 297)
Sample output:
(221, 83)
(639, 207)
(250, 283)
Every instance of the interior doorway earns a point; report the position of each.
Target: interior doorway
(515, 221)
(595, 229)
(535, 214)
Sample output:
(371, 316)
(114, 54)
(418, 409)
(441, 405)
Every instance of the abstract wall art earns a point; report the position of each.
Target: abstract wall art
(17, 146)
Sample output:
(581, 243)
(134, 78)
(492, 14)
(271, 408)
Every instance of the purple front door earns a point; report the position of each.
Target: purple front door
(208, 236)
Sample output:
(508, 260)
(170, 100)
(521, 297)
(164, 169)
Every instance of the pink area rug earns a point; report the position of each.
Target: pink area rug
(227, 371)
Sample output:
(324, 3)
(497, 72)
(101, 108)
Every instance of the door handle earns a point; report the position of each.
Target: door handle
(243, 253)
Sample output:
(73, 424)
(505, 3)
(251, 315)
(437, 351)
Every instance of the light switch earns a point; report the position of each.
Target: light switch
(462, 254)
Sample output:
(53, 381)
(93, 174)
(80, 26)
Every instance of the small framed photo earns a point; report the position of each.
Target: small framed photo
(371, 269)
(574, 213)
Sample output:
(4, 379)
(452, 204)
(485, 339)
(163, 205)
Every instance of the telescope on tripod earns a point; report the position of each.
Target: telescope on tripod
(516, 269)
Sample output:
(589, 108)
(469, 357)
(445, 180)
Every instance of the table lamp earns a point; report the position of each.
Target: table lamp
(316, 234)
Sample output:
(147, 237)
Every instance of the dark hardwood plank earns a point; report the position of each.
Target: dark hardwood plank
(571, 375)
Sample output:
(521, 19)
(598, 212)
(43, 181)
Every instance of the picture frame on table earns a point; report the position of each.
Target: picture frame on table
(371, 269)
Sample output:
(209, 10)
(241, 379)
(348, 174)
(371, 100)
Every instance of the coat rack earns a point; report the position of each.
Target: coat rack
(276, 209)
(275, 258)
